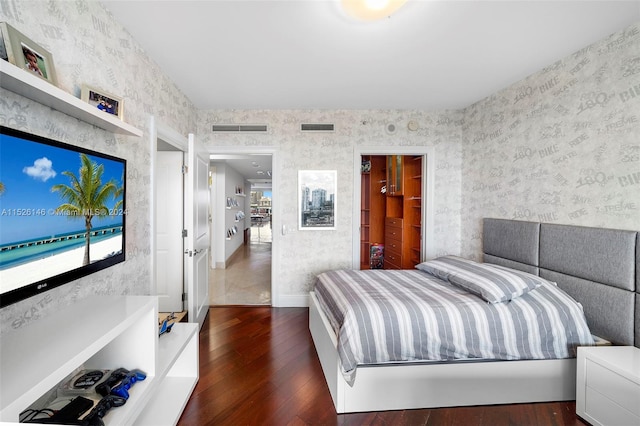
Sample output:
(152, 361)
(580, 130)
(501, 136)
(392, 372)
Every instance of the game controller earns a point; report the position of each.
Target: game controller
(94, 418)
(116, 376)
(125, 384)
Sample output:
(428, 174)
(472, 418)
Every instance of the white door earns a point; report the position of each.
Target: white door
(197, 227)
(169, 226)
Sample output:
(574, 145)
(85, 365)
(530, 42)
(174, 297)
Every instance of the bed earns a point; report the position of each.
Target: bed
(596, 267)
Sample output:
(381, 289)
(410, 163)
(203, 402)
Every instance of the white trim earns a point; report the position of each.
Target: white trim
(429, 385)
(428, 187)
(293, 301)
(158, 130)
(172, 137)
(153, 148)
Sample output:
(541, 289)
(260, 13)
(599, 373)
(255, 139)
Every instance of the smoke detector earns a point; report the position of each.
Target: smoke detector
(391, 128)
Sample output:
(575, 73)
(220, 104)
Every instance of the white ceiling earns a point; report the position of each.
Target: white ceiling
(300, 54)
(307, 54)
(256, 168)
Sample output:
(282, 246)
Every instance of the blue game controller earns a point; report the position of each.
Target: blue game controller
(114, 378)
(125, 384)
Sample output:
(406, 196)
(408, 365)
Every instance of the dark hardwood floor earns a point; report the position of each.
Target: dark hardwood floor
(258, 366)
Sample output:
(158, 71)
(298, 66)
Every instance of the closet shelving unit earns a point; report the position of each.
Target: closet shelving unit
(372, 207)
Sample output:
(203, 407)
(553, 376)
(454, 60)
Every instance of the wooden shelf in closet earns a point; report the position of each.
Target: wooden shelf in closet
(393, 218)
(371, 208)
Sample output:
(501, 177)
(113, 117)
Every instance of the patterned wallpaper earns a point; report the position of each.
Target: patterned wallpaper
(89, 47)
(561, 146)
(303, 254)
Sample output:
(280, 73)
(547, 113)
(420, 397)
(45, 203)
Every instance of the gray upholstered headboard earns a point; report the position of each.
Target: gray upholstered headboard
(598, 267)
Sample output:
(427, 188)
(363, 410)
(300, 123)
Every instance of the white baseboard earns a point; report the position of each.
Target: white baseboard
(292, 301)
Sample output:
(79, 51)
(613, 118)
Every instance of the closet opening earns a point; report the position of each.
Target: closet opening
(392, 192)
(391, 212)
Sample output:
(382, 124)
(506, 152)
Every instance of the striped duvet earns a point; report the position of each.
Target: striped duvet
(408, 315)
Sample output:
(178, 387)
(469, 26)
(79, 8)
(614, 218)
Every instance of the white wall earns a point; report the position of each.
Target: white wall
(227, 179)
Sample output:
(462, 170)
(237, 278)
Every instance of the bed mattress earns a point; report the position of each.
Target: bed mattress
(382, 316)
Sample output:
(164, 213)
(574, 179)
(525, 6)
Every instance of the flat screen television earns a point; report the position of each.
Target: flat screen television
(62, 213)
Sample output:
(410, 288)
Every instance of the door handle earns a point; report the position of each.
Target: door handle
(192, 253)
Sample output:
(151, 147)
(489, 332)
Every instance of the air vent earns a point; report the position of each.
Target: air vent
(317, 127)
(248, 128)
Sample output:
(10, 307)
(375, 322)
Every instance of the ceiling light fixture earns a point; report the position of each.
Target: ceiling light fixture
(371, 10)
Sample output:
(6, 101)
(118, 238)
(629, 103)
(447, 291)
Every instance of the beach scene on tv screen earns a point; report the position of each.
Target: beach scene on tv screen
(59, 210)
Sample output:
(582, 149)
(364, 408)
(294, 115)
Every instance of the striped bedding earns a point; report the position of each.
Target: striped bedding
(409, 315)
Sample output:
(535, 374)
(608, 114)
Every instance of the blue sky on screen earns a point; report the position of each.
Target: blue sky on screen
(28, 171)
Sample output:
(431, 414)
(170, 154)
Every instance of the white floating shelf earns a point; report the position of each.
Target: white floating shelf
(30, 86)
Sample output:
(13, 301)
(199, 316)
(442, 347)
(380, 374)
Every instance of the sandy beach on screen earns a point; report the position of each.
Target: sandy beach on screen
(39, 269)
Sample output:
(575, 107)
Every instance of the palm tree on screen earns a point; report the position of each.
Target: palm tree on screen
(118, 195)
(86, 196)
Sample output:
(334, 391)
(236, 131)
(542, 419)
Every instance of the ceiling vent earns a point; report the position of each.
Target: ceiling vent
(308, 127)
(239, 128)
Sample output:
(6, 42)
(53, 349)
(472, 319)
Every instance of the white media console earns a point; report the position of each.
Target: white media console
(102, 332)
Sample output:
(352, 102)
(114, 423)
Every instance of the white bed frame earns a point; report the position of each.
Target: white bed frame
(548, 250)
(428, 385)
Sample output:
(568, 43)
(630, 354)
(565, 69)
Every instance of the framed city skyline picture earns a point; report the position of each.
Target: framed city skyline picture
(317, 199)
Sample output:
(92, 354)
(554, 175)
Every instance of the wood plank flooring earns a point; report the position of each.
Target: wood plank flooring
(258, 366)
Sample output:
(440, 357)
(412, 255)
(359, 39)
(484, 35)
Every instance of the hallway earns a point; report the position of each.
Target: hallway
(247, 280)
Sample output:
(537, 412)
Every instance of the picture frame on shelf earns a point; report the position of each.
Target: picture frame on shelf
(317, 191)
(25, 53)
(110, 104)
(3, 49)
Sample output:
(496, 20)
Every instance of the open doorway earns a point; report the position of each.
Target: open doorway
(169, 225)
(242, 225)
(179, 183)
(168, 273)
(384, 193)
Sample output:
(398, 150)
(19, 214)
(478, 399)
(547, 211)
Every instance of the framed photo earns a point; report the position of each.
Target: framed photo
(3, 49)
(110, 104)
(26, 54)
(317, 199)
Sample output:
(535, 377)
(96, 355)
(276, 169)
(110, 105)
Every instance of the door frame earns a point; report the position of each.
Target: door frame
(197, 240)
(159, 130)
(427, 250)
(275, 207)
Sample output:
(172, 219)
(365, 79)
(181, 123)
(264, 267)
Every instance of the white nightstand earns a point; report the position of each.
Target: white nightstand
(608, 385)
